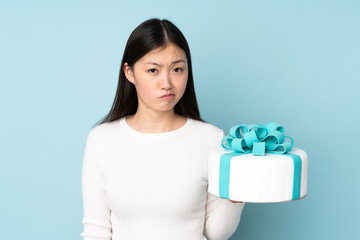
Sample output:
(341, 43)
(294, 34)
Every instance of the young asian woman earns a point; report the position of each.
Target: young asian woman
(144, 170)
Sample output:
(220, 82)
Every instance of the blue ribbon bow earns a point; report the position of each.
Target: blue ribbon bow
(257, 139)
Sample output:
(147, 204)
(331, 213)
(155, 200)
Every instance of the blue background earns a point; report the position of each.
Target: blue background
(292, 62)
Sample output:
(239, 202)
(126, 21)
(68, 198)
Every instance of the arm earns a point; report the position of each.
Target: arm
(96, 218)
(221, 217)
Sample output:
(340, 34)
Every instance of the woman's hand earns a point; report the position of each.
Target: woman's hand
(235, 201)
(232, 200)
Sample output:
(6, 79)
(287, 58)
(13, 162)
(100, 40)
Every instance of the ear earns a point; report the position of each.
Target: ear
(129, 73)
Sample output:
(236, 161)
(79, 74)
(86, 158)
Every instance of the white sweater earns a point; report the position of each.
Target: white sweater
(153, 185)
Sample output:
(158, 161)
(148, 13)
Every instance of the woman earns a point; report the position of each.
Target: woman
(145, 165)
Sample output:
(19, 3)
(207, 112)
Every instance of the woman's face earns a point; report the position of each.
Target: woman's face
(160, 72)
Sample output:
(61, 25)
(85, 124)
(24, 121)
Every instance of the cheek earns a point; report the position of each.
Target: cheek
(144, 88)
(182, 84)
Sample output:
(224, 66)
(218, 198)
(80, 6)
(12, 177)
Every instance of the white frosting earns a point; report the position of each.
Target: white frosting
(266, 178)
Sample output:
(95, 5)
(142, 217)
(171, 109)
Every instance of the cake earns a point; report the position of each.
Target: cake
(256, 163)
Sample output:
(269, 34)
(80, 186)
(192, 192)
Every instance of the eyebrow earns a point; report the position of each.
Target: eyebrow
(174, 62)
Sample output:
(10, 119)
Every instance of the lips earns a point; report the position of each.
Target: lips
(167, 95)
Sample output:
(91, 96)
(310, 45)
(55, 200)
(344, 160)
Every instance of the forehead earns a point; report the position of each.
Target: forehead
(164, 54)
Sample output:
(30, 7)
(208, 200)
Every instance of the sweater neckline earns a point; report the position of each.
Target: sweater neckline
(163, 134)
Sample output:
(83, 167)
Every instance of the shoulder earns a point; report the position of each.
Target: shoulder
(208, 131)
(208, 127)
(104, 130)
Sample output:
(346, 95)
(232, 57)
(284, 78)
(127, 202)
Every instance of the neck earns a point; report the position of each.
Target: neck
(158, 122)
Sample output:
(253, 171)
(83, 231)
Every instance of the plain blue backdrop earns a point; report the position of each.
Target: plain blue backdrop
(292, 62)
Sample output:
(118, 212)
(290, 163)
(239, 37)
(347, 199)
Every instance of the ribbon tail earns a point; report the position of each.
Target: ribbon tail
(224, 174)
(297, 175)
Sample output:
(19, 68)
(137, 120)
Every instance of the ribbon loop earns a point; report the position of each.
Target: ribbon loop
(238, 131)
(250, 138)
(272, 126)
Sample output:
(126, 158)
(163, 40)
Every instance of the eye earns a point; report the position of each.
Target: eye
(178, 69)
(152, 70)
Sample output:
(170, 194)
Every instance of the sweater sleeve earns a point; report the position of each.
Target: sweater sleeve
(96, 220)
(221, 216)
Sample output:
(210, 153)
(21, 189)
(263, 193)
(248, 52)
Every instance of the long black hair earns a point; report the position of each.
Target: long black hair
(150, 35)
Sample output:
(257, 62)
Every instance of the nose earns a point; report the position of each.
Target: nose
(166, 81)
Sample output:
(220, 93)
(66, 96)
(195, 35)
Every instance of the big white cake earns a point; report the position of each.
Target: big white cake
(247, 177)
